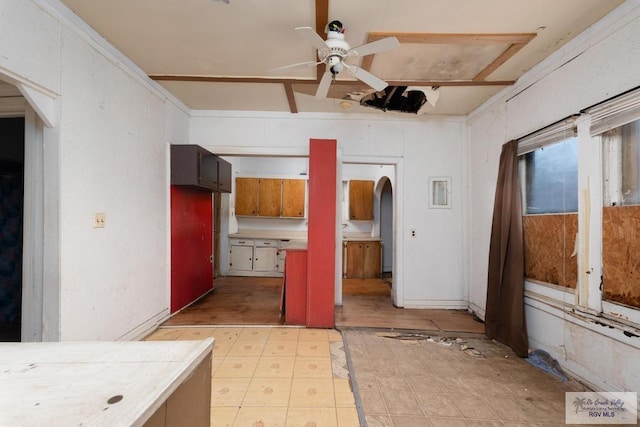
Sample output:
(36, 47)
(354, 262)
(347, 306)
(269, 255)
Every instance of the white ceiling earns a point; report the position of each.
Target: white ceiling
(245, 38)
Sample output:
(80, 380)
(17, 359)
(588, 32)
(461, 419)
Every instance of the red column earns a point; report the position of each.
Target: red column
(296, 287)
(321, 233)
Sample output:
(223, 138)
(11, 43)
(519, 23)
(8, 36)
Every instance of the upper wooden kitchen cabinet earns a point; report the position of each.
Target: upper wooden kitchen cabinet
(360, 200)
(247, 196)
(270, 197)
(362, 259)
(293, 195)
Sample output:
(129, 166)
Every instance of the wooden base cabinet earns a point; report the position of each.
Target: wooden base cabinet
(362, 259)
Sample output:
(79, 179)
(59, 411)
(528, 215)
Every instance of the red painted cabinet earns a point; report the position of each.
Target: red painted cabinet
(191, 245)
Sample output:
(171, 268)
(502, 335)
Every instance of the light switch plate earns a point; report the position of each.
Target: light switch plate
(99, 220)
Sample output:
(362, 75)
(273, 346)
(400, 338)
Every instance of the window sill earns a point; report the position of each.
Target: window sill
(561, 303)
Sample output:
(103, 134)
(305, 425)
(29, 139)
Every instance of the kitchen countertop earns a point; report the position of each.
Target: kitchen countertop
(270, 234)
(296, 239)
(288, 239)
(359, 237)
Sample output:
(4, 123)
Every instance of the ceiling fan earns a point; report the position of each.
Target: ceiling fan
(333, 53)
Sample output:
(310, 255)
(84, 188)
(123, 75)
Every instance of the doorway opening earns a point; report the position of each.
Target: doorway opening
(249, 248)
(367, 298)
(12, 132)
(386, 229)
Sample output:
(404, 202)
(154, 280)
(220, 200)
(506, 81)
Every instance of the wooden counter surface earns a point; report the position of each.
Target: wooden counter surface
(93, 383)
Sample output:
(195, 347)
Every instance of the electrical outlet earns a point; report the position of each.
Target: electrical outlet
(413, 232)
(99, 220)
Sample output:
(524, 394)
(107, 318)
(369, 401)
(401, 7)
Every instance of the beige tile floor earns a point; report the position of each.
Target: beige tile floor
(275, 376)
(287, 376)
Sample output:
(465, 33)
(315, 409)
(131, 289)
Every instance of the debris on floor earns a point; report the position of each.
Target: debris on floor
(543, 360)
(455, 343)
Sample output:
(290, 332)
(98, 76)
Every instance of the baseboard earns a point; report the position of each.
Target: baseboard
(433, 303)
(145, 328)
(477, 311)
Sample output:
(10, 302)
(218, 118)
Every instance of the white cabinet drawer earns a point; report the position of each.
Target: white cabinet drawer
(240, 242)
(266, 243)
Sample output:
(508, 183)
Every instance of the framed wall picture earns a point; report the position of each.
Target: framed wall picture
(440, 192)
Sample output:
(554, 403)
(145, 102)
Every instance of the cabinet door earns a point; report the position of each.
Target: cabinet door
(371, 262)
(270, 198)
(282, 254)
(355, 258)
(241, 258)
(247, 196)
(360, 200)
(224, 176)
(293, 195)
(265, 259)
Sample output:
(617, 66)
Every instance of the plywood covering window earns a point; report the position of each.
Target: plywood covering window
(621, 215)
(548, 249)
(550, 186)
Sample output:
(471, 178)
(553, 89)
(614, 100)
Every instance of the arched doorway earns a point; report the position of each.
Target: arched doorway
(386, 228)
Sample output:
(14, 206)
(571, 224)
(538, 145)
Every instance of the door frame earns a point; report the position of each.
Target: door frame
(397, 290)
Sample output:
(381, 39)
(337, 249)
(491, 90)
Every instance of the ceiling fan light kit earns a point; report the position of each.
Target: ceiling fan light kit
(334, 50)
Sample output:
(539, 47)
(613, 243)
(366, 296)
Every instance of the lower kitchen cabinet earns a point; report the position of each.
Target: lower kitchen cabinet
(241, 255)
(362, 259)
(265, 259)
(251, 257)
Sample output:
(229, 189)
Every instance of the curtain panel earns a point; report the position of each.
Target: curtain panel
(504, 316)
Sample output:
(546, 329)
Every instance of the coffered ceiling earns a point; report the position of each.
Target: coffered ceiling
(216, 55)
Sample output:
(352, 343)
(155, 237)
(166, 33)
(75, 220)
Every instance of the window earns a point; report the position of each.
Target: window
(621, 214)
(622, 158)
(552, 178)
(549, 183)
(590, 169)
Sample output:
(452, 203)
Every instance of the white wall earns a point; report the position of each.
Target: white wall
(430, 267)
(599, 64)
(106, 152)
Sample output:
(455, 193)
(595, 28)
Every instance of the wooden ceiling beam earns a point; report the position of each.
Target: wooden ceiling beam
(322, 16)
(436, 83)
(322, 19)
(220, 79)
(504, 56)
(291, 97)
(455, 38)
(214, 79)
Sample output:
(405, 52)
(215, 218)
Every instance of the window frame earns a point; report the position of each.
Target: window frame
(599, 185)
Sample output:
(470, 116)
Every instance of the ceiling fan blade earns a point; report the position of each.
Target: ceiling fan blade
(377, 46)
(292, 66)
(310, 35)
(368, 78)
(323, 87)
